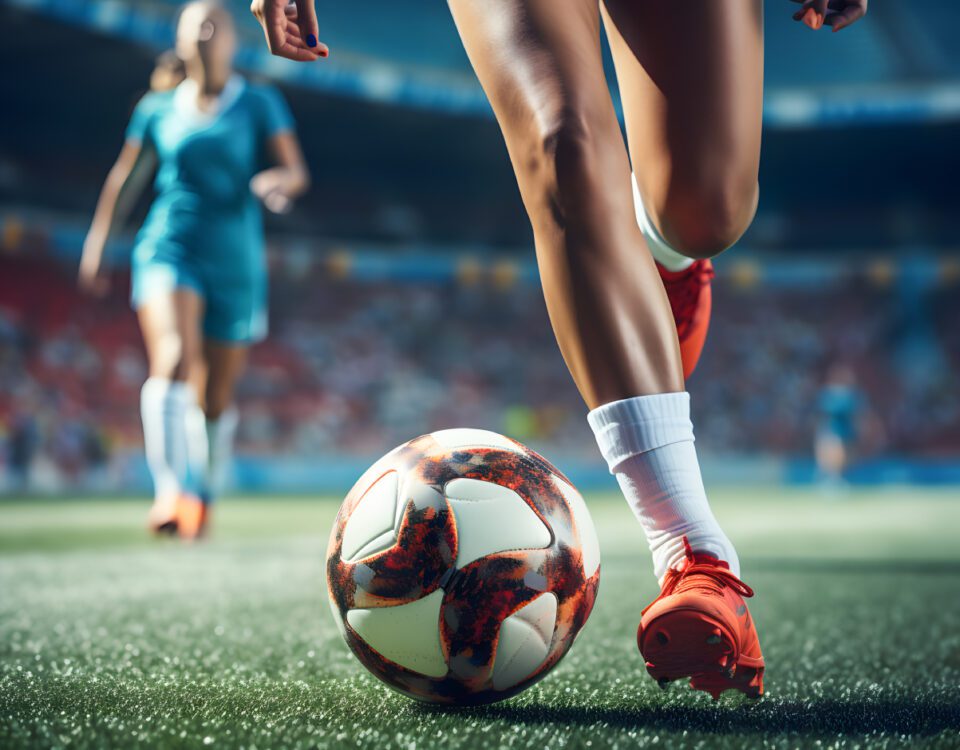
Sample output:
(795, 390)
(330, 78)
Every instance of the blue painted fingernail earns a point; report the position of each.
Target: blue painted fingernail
(311, 40)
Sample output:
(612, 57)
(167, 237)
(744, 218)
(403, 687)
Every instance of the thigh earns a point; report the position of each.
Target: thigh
(225, 364)
(170, 322)
(691, 81)
(540, 64)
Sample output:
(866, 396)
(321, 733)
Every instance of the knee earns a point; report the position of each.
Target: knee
(564, 164)
(702, 220)
(171, 358)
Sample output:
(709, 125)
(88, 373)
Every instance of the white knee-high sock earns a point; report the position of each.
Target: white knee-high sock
(647, 442)
(198, 455)
(163, 408)
(220, 435)
(210, 448)
(660, 249)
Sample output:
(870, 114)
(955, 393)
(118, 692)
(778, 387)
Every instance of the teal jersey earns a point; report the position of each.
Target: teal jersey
(204, 229)
(203, 202)
(839, 407)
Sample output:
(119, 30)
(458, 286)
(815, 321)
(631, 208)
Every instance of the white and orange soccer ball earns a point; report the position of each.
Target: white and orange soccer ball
(461, 567)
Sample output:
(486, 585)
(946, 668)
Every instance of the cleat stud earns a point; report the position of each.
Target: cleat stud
(663, 682)
(662, 638)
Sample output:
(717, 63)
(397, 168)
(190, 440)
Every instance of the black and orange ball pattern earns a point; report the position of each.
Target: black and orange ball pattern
(461, 567)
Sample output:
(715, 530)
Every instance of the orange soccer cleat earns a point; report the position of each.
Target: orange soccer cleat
(162, 518)
(183, 515)
(699, 627)
(690, 300)
(192, 517)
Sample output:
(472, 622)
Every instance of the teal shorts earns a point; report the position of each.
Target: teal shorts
(235, 310)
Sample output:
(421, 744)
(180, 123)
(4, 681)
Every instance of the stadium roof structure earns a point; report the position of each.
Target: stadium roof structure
(894, 67)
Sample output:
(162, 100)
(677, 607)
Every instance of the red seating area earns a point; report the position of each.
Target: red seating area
(355, 367)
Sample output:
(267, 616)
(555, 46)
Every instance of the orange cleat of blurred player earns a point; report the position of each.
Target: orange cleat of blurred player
(183, 515)
(699, 627)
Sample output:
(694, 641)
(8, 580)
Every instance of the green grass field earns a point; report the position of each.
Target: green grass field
(109, 638)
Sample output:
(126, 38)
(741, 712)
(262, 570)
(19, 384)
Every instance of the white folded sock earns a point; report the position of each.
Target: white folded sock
(660, 249)
(647, 442)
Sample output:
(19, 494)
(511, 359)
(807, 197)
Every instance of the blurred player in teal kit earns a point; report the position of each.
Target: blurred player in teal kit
(199, 279)
(840, 408)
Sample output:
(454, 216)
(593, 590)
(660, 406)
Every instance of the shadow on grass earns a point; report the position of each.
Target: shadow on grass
(821, 717)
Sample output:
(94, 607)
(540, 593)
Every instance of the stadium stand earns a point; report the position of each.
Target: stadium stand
(452, 313)
(365, 352)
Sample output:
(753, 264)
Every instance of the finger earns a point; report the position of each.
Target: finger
(274, 200)
(809, 18)
(280, 21)
(845, 17)
(297, 51)
(806, 5)
(282, 205)
(293, 30)
(275, 23)
(309, 29)
(815, 20)
(273, 19)
(286, 42)
(812, 13)
(295, 39)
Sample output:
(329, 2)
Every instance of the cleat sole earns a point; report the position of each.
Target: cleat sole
(747, 680)
(167, 528)
(701, 648)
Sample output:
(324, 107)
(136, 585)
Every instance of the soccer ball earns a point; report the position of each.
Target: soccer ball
(461, 567)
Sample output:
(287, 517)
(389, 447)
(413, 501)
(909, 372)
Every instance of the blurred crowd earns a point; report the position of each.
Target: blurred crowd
(355, 367)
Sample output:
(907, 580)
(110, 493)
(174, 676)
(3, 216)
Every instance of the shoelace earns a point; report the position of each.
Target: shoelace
(715, 572)
(720, 576)
(685, 291)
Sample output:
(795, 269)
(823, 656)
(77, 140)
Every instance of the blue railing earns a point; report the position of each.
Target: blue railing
(917, 268)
